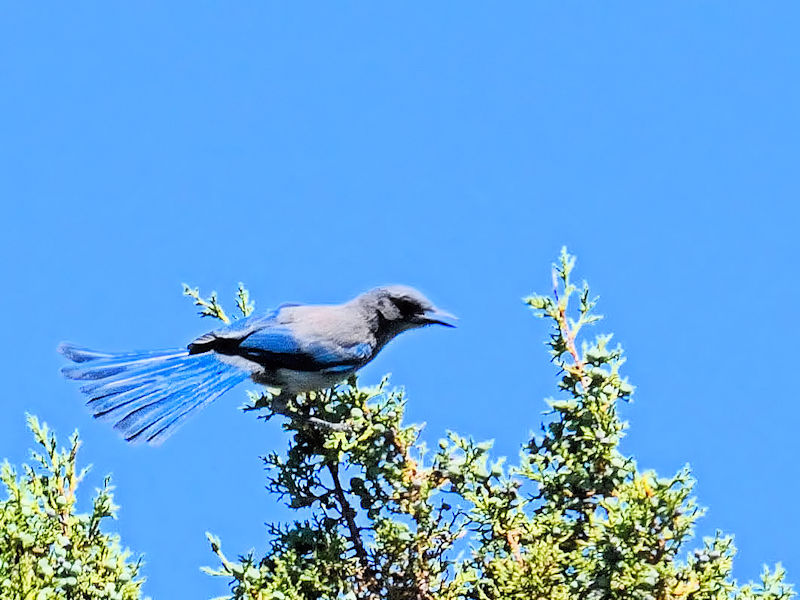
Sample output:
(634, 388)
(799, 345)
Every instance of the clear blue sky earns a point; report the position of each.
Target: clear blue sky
(315, 151)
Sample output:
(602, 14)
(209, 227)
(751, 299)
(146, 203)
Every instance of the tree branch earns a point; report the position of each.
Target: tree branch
(349, 514)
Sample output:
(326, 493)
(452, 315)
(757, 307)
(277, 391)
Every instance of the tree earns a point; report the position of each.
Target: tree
(382, 517)
(47, 550)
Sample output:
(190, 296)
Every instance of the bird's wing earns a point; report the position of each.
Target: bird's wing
(238, 330)
(279, 348)
(273, 345)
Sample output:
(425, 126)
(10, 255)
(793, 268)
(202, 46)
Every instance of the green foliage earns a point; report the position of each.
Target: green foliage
(47, 551)
(210, 307)
(382, 516)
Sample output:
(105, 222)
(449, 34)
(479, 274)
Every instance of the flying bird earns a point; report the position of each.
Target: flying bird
(296, 348)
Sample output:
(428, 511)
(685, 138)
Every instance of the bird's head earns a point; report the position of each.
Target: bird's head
(399, 308)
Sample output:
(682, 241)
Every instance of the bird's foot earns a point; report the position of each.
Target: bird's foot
(323, 424)
(280, 406)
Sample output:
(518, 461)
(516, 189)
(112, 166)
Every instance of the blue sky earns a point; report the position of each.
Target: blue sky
(314, 151)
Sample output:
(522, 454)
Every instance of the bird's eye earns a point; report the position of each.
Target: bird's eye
(407, 308)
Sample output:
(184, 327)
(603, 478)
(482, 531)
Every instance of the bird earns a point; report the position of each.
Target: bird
(295, 348)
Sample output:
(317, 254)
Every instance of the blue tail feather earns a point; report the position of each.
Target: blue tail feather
(148, 395)
(169, 425)
(104, 366)
(79, 355)
(157, 421)
(136, 377)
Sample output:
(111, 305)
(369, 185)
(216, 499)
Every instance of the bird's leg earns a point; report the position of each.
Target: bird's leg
(280, 405)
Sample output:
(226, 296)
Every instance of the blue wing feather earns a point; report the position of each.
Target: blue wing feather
(241, 328)
(280, 347)
(274, 345)
(276, 339)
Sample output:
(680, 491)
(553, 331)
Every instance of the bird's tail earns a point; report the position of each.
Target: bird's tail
(148, 395)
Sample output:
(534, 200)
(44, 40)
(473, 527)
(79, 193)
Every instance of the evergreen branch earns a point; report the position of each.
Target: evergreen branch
(208, 307)
(348, 513)
(243, 302)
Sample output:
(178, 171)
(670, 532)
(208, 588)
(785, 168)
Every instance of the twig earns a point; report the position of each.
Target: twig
(349, 514)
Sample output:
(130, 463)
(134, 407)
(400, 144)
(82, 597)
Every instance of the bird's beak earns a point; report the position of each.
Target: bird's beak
(435, 316)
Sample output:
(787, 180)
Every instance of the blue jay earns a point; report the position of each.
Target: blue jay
(297, 348)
